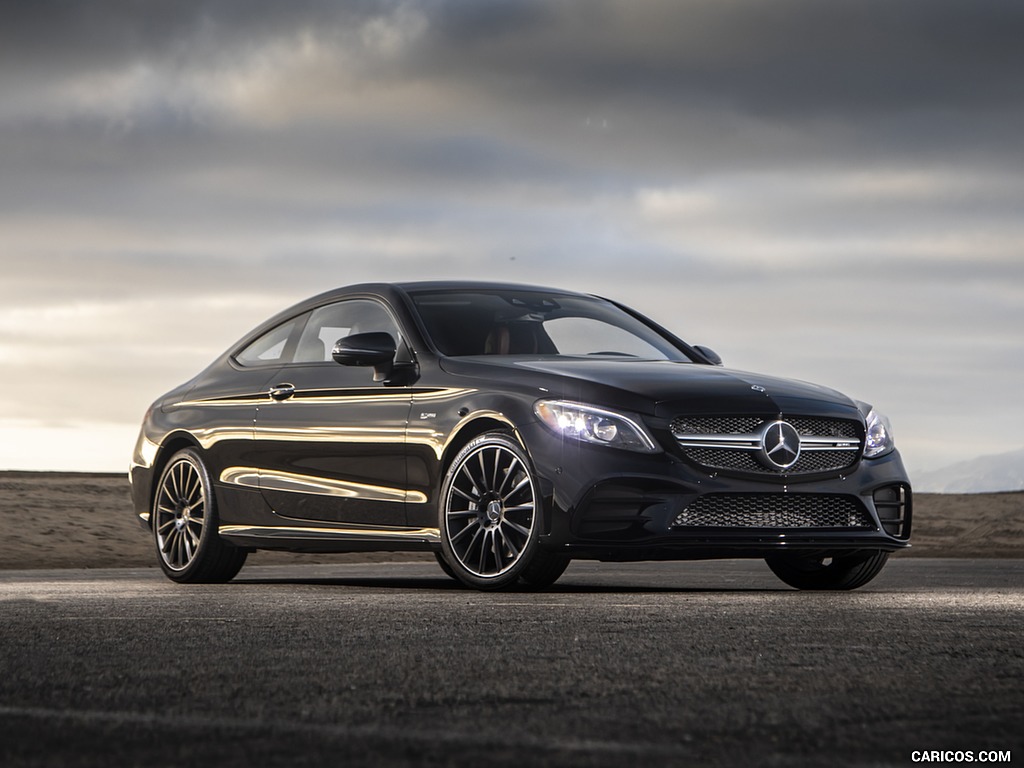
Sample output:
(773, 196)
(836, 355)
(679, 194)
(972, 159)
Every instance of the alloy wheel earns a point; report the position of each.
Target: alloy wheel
(490, 509)
(180, 514)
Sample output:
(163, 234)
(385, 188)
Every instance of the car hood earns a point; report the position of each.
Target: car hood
(671, 388)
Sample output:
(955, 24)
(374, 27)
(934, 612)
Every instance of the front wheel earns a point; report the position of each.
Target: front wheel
(845, 572)
(184, 522)
(490, 514)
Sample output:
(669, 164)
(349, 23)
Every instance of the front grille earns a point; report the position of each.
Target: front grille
(773, 510)
(733, 443)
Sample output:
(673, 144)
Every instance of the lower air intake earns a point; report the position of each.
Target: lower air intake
(772, 510)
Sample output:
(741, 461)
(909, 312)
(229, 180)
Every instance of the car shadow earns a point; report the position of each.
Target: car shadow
(443, 584)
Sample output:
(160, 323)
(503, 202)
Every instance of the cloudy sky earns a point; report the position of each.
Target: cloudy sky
(831, 191)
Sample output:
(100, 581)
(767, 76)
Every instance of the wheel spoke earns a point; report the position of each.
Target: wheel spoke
(172, 548)
(194, 490)
(497, 465)
(185, 482)
(464, 557)
(525, 482)
(483, 551)
(195, 537)
(473, 482)
(466, 496)
(475, 524)
(517, 510)
(509, 474)
(512, 549)
(483, 472)
(495, 549)
(172, 483)
(525, 532)
(166, 498)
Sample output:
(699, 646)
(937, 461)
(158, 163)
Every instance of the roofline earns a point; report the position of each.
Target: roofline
(470, 285)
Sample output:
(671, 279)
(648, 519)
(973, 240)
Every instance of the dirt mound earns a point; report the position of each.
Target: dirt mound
(68, 520)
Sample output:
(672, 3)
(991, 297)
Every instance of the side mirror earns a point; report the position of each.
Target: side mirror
(709, 354)
(375, 349)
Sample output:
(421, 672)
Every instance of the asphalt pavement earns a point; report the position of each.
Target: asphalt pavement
(713, 663)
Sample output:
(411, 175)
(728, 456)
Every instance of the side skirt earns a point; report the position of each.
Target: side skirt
(351, 539)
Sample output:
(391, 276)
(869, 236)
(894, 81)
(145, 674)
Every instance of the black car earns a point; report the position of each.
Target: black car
(509, 429)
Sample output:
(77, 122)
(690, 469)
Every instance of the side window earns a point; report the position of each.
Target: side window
(336, 321)
(269, 348)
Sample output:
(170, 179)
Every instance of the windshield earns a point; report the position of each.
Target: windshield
(510, 322)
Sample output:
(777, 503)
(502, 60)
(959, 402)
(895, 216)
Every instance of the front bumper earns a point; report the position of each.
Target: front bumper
(610, 504)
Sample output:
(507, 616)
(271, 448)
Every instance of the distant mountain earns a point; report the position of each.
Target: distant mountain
(985, 474)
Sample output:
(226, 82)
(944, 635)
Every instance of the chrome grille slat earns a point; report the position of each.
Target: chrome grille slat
(732, 443)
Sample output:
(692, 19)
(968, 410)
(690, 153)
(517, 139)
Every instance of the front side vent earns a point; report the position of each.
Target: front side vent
(892, 503)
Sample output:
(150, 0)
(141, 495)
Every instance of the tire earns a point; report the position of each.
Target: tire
(848, 572)
(444, 566)
(184, 522)
(544, 569)
(490, 513)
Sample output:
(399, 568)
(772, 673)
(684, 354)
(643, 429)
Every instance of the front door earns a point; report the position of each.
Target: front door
(330, 441)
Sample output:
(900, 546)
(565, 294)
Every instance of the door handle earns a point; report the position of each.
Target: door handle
(282, 391)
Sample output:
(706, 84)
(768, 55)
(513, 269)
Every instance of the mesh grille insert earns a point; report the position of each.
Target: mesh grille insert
(711, 425)
(688, 429)
(771, 510)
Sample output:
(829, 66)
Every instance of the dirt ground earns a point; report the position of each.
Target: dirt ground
(68, 520)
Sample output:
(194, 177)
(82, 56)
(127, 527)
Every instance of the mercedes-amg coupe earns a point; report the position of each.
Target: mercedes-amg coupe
(509, 429)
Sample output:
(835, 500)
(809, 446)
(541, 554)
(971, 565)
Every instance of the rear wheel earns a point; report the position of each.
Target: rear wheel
(184, 522)
(847, 572)
(490, 515)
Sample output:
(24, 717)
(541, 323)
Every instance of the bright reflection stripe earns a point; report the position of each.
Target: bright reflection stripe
(272, 480)
(390, 435)
(275, 531)
(441, 394)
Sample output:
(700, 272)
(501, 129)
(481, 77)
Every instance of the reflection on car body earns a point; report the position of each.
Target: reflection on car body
(509, 429)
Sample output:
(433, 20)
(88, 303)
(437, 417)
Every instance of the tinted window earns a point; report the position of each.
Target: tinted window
(507, 322)
(336, 321)
(269, 348)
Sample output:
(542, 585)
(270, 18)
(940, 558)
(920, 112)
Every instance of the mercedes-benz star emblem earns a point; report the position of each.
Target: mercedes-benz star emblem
(780, 445)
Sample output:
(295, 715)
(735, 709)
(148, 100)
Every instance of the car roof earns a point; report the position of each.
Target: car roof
(391, 292)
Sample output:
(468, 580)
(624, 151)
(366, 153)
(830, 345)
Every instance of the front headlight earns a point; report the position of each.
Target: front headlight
(596, 426)
(879, 438)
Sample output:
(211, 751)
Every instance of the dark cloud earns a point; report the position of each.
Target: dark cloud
(866, 65)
